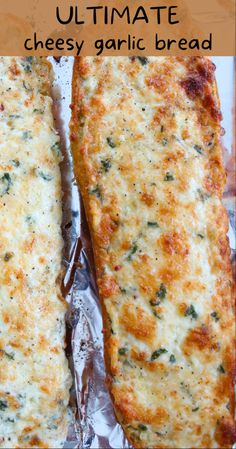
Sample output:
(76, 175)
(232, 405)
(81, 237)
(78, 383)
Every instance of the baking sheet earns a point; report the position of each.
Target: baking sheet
(94, 424)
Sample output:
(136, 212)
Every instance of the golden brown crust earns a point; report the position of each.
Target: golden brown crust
(161, 252)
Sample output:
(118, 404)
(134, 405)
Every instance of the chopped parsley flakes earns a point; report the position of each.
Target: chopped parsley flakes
(156, 354)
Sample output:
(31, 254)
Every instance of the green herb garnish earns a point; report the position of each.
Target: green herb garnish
(27, 65)
(3, 405)
(142, 427)
(195, 409)
(198, 149)
(158, 353)
(26, 135)
(45, 176)
(191, 312)
(133, 250)
(152, 224)
(172, 358)
(203, 195)
(215, 316)
(221, 369)
(162, 291)
(10, 420)
(164, 143)
(56, 148)
(106, 165)
(38, 111)
(143, 60)
(122, 351)
(5, 184)
(15, 163)
(156, 315)
(96, 191)
(14, 116)
(161, 294)
(111, 142)
(7, 354)
(169, 177)
(29, 219)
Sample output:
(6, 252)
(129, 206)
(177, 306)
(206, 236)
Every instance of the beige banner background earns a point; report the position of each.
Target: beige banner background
(21, 20)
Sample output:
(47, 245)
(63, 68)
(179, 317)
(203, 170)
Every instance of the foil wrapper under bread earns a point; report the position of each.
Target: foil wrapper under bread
(94, 424)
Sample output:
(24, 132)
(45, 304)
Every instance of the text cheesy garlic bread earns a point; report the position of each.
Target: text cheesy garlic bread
(34, 374)
(147, 155)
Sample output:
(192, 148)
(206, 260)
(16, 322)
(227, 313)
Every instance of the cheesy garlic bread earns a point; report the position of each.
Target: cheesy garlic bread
(145, 135)
(34, 374)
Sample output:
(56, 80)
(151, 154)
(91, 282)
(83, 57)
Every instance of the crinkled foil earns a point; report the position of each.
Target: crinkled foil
(94, 424)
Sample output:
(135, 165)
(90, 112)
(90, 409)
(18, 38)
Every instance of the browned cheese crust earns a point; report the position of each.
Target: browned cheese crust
(145, 136)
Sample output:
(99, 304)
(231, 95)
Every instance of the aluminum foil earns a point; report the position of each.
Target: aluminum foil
(94, 424)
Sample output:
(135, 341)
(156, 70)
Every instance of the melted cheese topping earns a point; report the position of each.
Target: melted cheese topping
(34, 375)
(146, 143)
